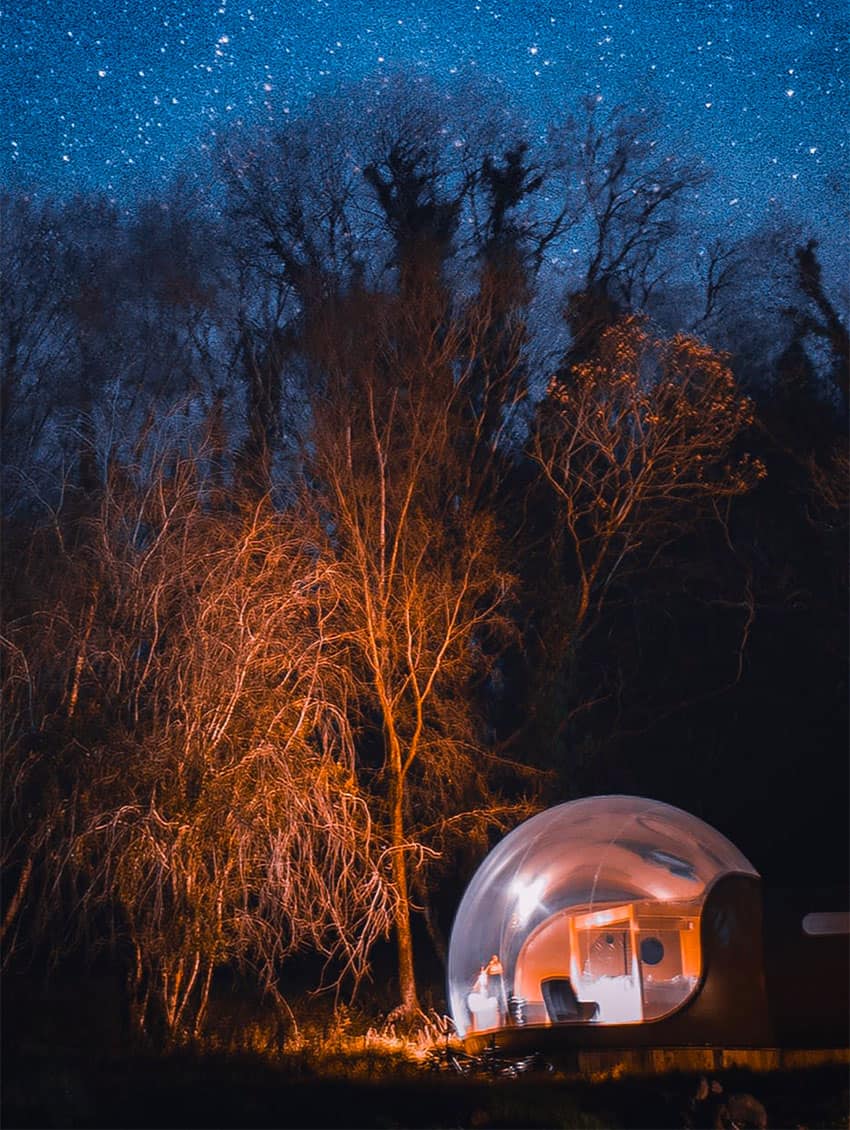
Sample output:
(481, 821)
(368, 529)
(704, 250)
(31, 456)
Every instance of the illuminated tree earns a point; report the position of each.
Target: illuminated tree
(418, 578)
(635, 442)
(203, 793)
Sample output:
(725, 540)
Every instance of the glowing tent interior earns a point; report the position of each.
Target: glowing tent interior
(587, 914)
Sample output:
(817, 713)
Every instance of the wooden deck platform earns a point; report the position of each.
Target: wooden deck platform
(658, 1061)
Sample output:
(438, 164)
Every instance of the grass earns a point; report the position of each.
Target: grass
(69, 1062)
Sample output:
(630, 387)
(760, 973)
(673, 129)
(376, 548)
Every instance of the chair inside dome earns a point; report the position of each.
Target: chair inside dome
(620, 962)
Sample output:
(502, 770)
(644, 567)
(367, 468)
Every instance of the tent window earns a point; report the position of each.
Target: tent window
(651, 951)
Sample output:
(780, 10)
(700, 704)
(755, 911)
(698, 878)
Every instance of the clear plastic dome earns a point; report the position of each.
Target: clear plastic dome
(586, 913)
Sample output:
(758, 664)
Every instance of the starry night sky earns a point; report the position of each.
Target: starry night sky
(114, 96)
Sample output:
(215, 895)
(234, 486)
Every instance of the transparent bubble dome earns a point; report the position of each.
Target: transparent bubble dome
(586, 913)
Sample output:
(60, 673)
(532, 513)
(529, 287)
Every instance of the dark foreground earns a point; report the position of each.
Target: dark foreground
(68, 1062)
(190, 1090)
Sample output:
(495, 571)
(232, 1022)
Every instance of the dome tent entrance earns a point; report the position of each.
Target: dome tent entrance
(588, 913)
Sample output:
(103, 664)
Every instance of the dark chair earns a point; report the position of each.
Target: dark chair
(562, 1004)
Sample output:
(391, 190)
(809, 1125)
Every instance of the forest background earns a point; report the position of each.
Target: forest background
(410, 474)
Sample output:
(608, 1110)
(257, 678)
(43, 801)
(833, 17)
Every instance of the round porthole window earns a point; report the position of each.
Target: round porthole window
(651, 951)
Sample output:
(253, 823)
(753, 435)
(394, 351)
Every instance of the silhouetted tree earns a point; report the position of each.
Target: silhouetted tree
(629, 193)
(824, 322)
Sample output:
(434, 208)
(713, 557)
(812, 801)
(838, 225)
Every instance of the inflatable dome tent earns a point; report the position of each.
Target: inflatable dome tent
(607, 912)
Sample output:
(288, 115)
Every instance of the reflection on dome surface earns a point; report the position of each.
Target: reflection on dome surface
(590, 912)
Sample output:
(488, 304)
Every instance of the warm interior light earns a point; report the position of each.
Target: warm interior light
(602, 917)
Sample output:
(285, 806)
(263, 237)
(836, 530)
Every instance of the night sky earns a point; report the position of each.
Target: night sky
(114, 96)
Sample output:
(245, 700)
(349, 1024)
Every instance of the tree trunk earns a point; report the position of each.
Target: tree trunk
(409, 1003)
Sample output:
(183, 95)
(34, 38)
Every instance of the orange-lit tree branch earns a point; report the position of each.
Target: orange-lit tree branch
(632, 442)
(418, 572)
(213, 807)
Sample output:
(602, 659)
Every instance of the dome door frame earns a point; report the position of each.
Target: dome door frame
(624, 1002)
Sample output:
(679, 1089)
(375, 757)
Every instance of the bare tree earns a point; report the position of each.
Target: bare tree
(102, 316)
(294, 201)
(633, 441)
(418, 578)
(35, 333)
(624, 190)
(178, 328)
(212, 809)
(822, 321)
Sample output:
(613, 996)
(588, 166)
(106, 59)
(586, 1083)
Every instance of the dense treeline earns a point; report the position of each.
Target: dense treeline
(412, 474)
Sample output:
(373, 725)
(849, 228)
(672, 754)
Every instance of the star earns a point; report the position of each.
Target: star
(707, 66)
